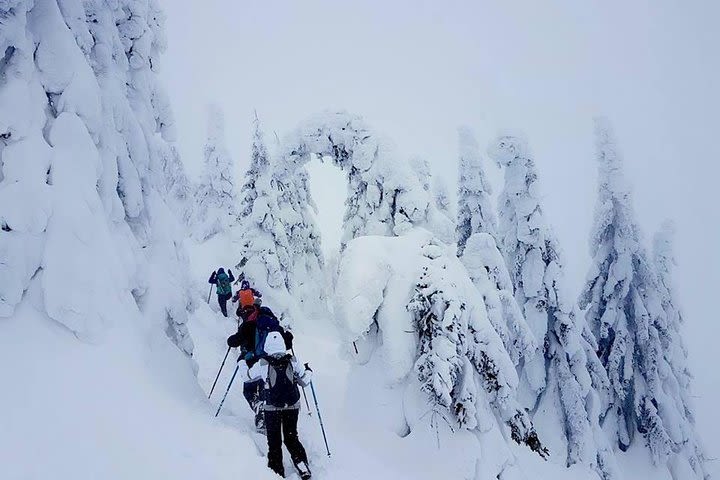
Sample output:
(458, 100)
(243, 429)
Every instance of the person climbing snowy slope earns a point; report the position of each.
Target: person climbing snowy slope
(247, 295)
(257, 323)
(282, 372)
(223, 281)
(245, 340)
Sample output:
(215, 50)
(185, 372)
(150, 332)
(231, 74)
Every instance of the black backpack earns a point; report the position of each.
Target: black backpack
(281, 388)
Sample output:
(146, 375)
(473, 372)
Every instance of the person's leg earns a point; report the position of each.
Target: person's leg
(290, 435)
(273, 421)
(222, 301)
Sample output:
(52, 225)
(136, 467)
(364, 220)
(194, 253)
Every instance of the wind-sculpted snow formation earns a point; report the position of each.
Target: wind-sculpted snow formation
(385, 196)
(84, 132)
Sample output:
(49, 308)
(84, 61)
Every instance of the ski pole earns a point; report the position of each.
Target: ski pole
(322, 427)
(218, 375)
(303, 389)
(226, 391)
(209, 294)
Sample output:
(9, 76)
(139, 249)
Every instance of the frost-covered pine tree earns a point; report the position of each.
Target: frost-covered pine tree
(488, 271)
(264, 247)
(385, 195)
(624, 303)
(295, 210)
(475, 212)
(674, 347)
(83, 126)
(562, 380)
(175, 184)
(462, 365)
(215, 200)
(439, 218)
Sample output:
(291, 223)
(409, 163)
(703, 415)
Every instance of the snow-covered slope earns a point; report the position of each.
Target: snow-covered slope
(126, 407)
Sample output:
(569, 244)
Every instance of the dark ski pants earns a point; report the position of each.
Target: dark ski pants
(252, 391)
(283, 424)
(222, 301)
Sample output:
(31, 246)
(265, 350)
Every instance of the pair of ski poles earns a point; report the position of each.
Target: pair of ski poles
(232, 379)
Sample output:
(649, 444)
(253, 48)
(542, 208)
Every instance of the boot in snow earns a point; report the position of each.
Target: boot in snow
(303, 470)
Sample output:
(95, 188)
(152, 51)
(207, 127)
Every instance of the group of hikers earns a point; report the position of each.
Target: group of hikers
(272, 374)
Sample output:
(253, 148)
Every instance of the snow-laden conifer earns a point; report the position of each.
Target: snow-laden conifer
(214, 208)
(263, 244)
(627, 307)
(84, 125)
(475, 212)
(562, 379)
(676, 352)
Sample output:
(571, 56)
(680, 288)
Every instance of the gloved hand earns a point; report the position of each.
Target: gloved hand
(233, 340)
(307, 367)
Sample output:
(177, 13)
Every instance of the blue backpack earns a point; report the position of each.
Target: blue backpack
(266, 322)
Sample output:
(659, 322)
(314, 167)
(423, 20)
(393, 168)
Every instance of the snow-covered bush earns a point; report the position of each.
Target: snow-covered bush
(214, 205)
(635, 322)
(562, 379)
(83, 126)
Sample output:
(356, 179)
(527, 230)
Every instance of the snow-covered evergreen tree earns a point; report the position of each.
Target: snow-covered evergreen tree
(488, 271)
(675, 352)
(84, 124)
(279, 242)
(462, 364)
(385, 196)
(264, 247)
(304, 274)
(475, 213)
(562, 381)
(215, 200)
(175, 184)
(439, 219)
(624, 302)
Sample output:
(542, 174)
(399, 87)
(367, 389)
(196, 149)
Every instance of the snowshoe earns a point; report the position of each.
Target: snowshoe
(260, 419)
(303, 470)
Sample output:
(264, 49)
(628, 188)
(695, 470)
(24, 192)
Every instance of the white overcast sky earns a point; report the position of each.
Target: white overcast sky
(416, 70)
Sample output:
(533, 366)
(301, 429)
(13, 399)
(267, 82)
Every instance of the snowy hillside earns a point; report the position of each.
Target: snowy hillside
(444, 337)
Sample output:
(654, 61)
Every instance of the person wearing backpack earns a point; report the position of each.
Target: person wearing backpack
(281, 373)
(247, 295)
(223, 282)
(257, 323)
(245, 340)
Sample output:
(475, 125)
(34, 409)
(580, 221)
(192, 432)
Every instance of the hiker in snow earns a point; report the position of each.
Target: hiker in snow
(245, 340)
(247, 295)
(224, 287)
(257, 322)
(281, 373)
